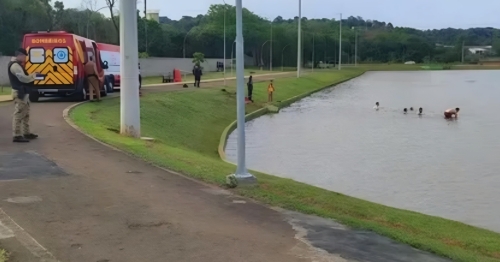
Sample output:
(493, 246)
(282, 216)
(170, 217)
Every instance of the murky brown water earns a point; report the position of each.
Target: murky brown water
(335, 140)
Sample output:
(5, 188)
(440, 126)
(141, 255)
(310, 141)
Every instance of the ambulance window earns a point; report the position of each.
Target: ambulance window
(61, 55)
(37, 55)
(90, 54)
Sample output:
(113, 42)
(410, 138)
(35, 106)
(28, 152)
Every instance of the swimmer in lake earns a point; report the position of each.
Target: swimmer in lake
(411, 108)
(405, 111)
(451, 112)
(376, 106)
(420, 111)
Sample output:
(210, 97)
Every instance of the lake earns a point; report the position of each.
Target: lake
(336, 140)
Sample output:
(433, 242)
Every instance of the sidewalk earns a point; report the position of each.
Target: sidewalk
(5, 98)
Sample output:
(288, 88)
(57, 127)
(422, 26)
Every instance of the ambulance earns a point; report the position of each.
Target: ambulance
(59, 57)
(110, 54)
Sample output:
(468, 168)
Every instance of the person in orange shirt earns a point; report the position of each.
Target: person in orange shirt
(270, 91)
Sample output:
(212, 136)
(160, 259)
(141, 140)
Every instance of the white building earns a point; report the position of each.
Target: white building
(153, 15)
(479, 49)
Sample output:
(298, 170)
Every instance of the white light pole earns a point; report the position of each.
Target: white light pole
(299, 40)
(130, 120)
(271, 49)
(282, 56)
(340, 43)
(232, 51)
(262, 51)
(356, 49)
(242, 174)
(225, 5)
(184, 44)
(312, 63)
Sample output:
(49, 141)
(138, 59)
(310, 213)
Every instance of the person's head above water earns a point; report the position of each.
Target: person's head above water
(411, 108)
(420, 110)
(405, 110)
(377, 104)
(457, 109)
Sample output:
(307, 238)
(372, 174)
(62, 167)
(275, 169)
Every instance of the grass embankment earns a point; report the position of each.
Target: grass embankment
(188, 125)
(4, 90)
(211, 75)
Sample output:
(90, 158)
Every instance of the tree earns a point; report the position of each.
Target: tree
(111, 5)
(378, 41)
(198, 58)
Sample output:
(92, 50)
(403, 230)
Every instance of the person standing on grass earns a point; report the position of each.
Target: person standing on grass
(21, 81)
(197, 75)
(250, 88)
(270, 91)
(94, 79)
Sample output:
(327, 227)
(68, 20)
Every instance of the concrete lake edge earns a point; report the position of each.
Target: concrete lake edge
(457, 251)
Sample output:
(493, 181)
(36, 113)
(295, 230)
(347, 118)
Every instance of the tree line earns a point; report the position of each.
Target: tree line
(376, 41)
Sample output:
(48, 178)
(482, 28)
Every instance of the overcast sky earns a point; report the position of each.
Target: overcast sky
(421, 14)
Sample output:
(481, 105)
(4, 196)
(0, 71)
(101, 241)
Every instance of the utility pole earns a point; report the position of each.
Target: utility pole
(242, 174)
(130, 121)
(271, 49)
(312, 59)
(224, 64)
(299, 40)
(340, 43)
(463, 51)
(356, 49)
(146, 24)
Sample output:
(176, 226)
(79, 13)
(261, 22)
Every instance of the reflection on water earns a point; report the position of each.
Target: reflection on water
(335, 140)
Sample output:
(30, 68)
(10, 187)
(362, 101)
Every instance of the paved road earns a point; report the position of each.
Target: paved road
(65, 197)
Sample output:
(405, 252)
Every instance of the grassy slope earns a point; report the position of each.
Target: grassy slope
(188, 124)
(5, 90)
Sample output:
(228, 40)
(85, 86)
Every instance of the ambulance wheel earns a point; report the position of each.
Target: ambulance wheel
(34, 96)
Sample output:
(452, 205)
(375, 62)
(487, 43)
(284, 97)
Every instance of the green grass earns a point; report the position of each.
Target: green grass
(187, 126)
(212, 75)
(3, 255)
(4, 90)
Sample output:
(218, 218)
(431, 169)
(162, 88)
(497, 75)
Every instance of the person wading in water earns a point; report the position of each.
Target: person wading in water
(449, 113)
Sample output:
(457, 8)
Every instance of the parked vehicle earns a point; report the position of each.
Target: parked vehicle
(110, 55)
(59, 56)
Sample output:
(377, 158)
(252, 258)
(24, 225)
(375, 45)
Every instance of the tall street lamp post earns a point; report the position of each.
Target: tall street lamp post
(271, 49)
(261, 51)
(282, 56)
(224, 64)
(340, 42)
(130, 121)
(299, 40)
(242, 175)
